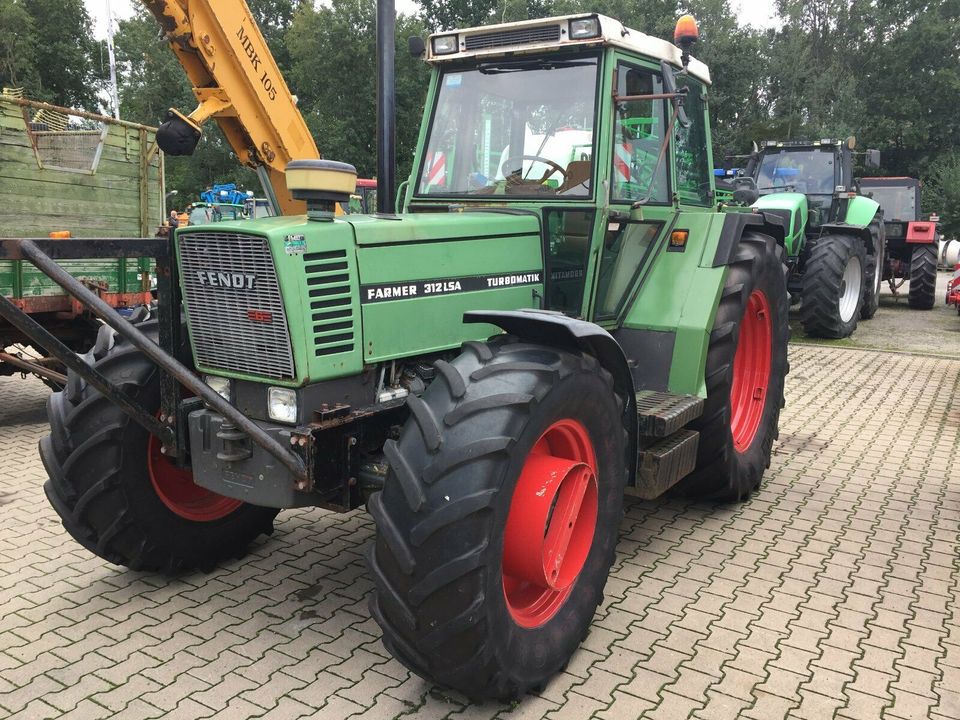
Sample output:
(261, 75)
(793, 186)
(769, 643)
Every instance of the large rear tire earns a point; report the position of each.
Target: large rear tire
(497, 524)
(923, 278)
(114, 491)
(833, 287)
(745, 370)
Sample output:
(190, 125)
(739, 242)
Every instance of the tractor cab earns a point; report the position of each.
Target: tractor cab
(821, 170)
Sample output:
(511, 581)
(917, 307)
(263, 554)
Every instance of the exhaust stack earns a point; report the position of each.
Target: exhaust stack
(386, 106)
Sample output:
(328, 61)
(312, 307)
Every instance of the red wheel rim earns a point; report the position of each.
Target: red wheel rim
(176, 489)
(551, 523)
(751, 371)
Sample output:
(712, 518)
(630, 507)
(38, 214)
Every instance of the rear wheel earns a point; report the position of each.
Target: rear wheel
(117, 494)
(497, 524)
(745, 370)
(833, 287)
(923, 278)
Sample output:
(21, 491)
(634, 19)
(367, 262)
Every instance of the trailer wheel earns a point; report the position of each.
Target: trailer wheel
(497, 524)
(873, 274)
(833, 287)
(745, 370)
(116, 494)
(923, 278)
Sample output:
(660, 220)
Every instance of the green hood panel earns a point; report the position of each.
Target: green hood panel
(433, 227)
(796, 205)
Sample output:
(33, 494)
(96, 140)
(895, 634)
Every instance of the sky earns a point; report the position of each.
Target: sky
(758, 13)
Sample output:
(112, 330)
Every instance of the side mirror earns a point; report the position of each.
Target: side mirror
(670, 87)
(416, 45)
(872, 158)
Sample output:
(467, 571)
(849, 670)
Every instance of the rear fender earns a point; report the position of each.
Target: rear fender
(545, 327)
(859, 231)
(921, 233)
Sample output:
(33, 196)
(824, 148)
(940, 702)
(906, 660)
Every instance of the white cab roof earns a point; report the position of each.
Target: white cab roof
(552, 33)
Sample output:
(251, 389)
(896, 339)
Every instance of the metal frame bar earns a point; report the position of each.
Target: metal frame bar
(167, 428)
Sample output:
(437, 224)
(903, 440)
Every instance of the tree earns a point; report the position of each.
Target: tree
(17, 42)
(65, 55)
(152, 81)
(941, 193)
(333, 72)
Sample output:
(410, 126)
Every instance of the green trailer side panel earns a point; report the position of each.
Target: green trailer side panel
(861, 211)
(103, 199)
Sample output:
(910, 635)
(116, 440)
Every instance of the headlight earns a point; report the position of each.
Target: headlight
(445, 45)
(584, 28)
(220, 385)
(282, 405)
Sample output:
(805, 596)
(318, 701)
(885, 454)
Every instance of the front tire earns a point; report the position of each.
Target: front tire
(873, 275)
(923, 278)
(116, 494)
(745, 370)
(833, 287)
(497, 524)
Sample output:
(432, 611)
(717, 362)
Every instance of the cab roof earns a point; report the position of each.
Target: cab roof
(530, 36)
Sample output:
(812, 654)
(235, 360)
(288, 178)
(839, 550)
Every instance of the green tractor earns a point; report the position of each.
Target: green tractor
(490, 371)
(835, 236)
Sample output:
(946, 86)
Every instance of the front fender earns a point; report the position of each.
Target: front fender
(556, 329)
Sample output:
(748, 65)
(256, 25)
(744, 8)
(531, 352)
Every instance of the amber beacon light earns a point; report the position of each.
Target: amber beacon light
(685, 35)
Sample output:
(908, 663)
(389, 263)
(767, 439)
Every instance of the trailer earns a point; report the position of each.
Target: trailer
(69, 174)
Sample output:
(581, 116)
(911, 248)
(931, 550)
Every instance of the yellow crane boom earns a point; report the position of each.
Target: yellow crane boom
(237, 83)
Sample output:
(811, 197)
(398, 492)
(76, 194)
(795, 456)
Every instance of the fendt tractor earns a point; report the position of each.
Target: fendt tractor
(560, 316)
(913, 243)
(835, 235)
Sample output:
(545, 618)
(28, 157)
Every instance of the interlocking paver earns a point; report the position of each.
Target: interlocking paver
(833, 592)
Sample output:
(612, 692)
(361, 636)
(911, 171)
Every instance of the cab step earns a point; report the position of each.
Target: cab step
(661, 414)
(665, 463)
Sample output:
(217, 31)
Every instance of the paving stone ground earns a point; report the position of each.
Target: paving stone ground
(833, 592)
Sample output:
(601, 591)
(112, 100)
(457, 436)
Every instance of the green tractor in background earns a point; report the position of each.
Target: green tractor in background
(835, 236)
(540, 332)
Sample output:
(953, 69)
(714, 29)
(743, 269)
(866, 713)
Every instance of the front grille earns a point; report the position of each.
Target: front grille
(521, 36)
(328, 280)
(237, 321)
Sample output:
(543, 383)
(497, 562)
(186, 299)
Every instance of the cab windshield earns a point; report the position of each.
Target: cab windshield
(811, 172)
(522, 128)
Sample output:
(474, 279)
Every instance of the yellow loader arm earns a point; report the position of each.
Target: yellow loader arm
(237, 83)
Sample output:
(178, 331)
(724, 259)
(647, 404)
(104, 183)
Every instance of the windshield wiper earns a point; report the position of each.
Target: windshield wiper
(498, 68)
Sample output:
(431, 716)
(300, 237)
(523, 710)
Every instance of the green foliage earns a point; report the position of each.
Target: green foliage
(886, 71)
(941, 193)
(65, 57)
(17, 59)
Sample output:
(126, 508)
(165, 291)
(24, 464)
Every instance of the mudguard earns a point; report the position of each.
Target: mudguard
(553, 328)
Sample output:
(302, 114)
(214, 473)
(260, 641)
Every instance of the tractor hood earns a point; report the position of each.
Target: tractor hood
(291, 301)
(792, 208)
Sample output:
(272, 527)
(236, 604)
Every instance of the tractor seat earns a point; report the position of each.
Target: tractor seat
(579, 172)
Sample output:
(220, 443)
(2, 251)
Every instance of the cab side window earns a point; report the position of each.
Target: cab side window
(693, 162)
(638, 134)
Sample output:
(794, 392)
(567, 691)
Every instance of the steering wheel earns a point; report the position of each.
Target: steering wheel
(537, 158)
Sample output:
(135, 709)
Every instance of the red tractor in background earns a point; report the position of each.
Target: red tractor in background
(912, 243)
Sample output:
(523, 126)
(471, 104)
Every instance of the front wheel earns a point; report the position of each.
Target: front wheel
(745, 370)
(497, 524)
(923, 278)
(833, 287)
(116, 493)
(873, 275)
